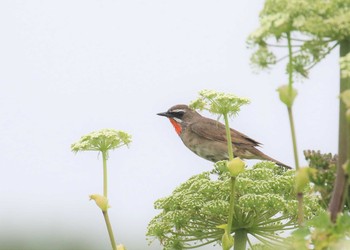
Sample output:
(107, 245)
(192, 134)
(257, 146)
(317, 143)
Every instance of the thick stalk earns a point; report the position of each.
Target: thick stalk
(109, 229)
(241, 238)
(338, 196)
(231, 209)
(104, 159)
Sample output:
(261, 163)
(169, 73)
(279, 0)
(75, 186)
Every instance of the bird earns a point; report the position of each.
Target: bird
(207, 137)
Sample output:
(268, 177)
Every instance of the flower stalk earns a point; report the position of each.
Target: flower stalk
(225, 105)
(229, 139)
(109, 229)
(105, 174)
(103, 141)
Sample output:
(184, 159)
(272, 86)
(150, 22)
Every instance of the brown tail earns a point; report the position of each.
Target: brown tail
(263, 156)
(268, 158)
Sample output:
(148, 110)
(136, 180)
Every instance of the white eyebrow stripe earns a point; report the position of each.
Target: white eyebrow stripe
(178, 110)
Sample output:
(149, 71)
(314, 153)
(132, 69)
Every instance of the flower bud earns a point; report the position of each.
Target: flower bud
(235, 166)
(101, 201)
(227, 241)
(301, 179)
(287, 96)
(121, 247)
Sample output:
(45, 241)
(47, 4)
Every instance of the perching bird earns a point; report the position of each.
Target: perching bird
(207, 137)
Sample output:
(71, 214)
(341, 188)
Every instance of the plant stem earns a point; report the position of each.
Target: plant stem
(109, 229)
(228, 137)
(290, 90)
(233, 181)
(294, 140)
(338, 196)
(290, 65)
(231, 209)
(292, 127)
(240, 239)
(105, 213)
(104, 159)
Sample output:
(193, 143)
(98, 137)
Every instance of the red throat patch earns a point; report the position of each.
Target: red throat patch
(176, 125)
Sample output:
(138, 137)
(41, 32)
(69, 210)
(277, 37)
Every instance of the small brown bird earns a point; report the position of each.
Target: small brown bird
(207, 137)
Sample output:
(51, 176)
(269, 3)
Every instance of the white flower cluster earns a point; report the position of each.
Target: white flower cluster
(218, 102)
(102, 140)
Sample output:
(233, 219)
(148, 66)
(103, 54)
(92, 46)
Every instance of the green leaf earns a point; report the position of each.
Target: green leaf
(321, 221)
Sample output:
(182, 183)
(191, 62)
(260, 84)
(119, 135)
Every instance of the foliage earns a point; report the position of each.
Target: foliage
(322, 233)
(265, 205)
(316, 26)
(324, 175)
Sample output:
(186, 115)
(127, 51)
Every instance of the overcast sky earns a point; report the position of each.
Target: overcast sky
(70, 67)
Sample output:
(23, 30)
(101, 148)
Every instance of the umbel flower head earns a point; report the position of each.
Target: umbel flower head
(218, 103)
(265, 205)
(314, 26)
(102, 140)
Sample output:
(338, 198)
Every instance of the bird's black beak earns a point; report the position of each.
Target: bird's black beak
(166, 114)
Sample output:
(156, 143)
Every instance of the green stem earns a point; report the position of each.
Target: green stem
(109, 229)
(233, 179)
(229, 139)
(294, 140)
(292, 127)
(290, 90)
(231, 208)
(241, 238)
(104, 159)
(338, 196)
(105, 193)
(290, 65)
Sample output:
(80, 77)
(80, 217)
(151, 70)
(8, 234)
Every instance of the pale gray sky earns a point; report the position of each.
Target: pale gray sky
(70, 67)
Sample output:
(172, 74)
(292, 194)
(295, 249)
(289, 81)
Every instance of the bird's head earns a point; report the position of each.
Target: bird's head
(180, 115)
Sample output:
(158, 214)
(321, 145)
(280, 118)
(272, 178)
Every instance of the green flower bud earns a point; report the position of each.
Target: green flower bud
(287, 96)
(235, 166)
(227, 239)
(101, 201)
(121, 247)
(301, 179)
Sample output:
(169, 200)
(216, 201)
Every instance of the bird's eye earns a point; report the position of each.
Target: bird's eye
(178, 113)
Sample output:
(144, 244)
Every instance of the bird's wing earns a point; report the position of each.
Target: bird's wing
(214, 130)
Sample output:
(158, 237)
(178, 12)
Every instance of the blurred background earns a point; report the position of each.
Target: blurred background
(71, 67)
